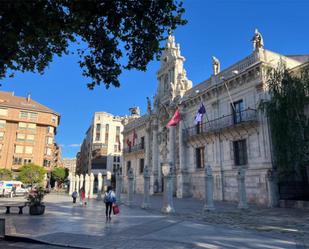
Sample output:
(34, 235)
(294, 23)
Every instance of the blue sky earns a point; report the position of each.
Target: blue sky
(220, 28)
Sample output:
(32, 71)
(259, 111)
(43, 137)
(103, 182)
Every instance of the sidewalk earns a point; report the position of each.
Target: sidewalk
(294, 222)
(65, 224)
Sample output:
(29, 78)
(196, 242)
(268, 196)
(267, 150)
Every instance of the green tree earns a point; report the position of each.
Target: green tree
(59, 174)
(31, 174)
(289, 124)
(103, 31)
(5, 174)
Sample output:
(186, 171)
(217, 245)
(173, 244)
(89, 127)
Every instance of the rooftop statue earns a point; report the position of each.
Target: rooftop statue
(215, 65)
(257, 40)
(148, 105)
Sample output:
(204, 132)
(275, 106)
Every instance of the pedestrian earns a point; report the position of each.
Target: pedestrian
(74, 196)
(109, 200)
(82, 197)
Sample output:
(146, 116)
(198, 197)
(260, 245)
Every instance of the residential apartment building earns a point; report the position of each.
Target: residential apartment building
(101, 150)
(27, 133)
(70, 164)
(233, 133)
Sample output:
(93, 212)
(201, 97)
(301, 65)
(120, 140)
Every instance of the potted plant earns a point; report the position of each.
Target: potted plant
(35, 198)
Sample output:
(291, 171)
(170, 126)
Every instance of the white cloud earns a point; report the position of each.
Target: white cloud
(74, 145)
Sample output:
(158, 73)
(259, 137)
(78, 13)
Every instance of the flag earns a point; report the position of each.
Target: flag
(134, 137)
(175, 119)
(129, 143)
(200, 112)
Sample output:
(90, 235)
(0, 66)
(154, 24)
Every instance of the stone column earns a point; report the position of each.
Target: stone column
(77, 183)
(171, 145)
(87, 186)
(146, 201)
(131, 187)
(148, 145)
(180, 176)
(99, 194)
(156, 172)
(273, 191)
(168, 205)
(71, 185)
(91, 185)
(108, 178)
(242, 189)
(81, 181)
(118, 186)
(209, 190)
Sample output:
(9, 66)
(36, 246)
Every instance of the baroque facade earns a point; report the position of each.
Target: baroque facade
(234, 133)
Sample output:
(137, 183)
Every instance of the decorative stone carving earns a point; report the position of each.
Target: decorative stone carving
(209, 190)
(146, 201)
(215, 65)
(258, 41)
(148, 106)
(242, 204)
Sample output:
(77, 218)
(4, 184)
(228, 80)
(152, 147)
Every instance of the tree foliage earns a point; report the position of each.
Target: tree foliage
(289, 124)
(59, 174)
(32, 32)
(5, 175)
(31, 174)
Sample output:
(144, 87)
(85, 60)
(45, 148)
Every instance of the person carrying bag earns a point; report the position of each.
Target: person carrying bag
(110, 203)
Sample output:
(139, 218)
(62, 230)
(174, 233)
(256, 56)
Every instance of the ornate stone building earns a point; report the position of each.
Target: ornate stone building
(234, 133)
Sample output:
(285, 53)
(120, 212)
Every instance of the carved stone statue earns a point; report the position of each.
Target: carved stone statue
(215, 65)
(148, 105)
(257, 40)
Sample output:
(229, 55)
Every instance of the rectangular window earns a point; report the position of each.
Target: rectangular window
(106, 133)
(3, 112)
(23, 114)
(1, 135)
(27, 161)
(238, 111)
(2, 123)
(31, 126)
(115, 159)
(118, 159)
(17, 160)
(199, 128)
(142, 142)
(50, 129)
(46, 163)
(240, 152)
(33, 116)
(116, 148)
(98, 132)
(117, 134)
(141, 165)
(48, 151)
(200, 157)
(22, 125)
(30, 137)
(28, 149)
(19, 149)
(128, 166)
(20, 137)
(49, 140)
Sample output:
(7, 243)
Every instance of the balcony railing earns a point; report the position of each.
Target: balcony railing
(135, 148)
(229, 121)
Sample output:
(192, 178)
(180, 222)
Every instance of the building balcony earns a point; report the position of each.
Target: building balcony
(134, 149)
(242, 119)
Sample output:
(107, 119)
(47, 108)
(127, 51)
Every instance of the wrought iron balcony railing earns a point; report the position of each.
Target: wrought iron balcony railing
(135, 148)
(236, 119)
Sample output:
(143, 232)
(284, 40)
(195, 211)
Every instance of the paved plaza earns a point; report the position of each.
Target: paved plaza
(65, 224)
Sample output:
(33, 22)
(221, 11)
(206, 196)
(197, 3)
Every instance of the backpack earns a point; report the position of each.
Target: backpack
(109, 197)
(74, 195)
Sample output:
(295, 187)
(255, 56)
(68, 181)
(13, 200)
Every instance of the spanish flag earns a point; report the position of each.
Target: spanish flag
(175, 119)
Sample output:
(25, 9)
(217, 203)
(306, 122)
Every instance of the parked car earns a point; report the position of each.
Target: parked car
(21, 192)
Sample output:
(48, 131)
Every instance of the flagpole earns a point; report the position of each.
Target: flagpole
(228, 92)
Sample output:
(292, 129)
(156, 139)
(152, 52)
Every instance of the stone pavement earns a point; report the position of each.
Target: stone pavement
(65, 224)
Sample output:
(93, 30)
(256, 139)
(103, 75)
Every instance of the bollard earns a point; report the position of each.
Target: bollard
(242, 204)
(91, 186)
(209, 186)
(118, 186)
(99, 194)
(130, 190)
(168, 205)
(146, 201)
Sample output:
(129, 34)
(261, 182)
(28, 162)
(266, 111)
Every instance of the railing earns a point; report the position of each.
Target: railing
(135, 148)
(245, 116)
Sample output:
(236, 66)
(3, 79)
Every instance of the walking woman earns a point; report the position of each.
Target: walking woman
(109, 199)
